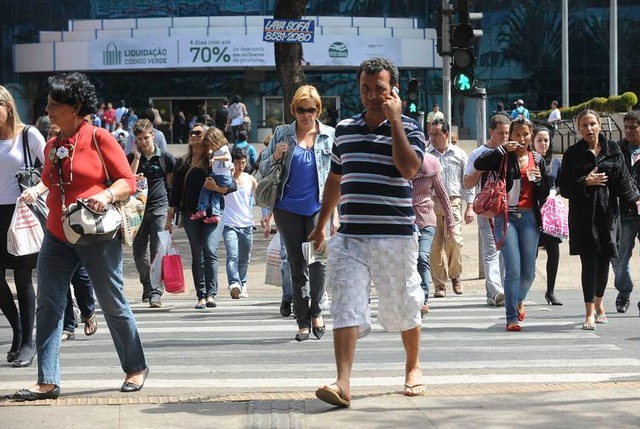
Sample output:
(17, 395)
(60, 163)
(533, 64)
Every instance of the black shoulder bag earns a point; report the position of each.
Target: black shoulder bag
(30, 175)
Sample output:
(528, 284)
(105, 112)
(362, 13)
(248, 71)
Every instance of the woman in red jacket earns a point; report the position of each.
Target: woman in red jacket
(73, 170)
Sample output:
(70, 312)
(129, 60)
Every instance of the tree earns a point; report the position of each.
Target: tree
(289, 55)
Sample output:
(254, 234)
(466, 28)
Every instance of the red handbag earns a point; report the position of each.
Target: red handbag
(491, 201)
(172, 273)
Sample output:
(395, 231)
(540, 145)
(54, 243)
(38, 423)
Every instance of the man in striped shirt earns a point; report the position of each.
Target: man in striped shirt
(375, 155)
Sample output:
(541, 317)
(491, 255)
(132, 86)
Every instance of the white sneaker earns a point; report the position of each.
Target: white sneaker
(243, 291)
(497, 300)
(234, 290)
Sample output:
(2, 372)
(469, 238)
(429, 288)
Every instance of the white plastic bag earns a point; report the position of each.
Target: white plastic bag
(155, 271)
(272, 273)
(25, 232)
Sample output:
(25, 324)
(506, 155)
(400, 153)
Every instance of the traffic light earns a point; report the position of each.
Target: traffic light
(462, 50)
(412, 109)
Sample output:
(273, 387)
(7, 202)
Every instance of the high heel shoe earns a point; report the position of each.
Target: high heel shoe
(302, 336)
(23, 363)
(551, 299)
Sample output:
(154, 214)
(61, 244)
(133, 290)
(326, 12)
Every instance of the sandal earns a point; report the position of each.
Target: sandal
(68, 336)
(601, 318)
(90, 324)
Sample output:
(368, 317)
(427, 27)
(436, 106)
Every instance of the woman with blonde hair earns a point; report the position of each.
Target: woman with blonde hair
(22, 348)
(304, 148)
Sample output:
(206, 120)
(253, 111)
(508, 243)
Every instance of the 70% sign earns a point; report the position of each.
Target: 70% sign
(207, 54)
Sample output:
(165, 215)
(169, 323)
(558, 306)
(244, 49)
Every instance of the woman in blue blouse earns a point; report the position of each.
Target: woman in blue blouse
(305, 148)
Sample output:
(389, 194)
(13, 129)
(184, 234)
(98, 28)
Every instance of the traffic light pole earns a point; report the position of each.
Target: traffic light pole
(446, 60)
(481, 126)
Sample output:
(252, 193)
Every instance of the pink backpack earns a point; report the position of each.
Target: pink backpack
(555, 217)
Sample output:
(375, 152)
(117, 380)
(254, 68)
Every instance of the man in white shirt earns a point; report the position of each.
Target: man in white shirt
(554, 118)
(493, 270)
(433, 115)
(446, 251)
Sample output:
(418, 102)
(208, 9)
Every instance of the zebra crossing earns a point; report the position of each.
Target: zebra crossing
(246, 346)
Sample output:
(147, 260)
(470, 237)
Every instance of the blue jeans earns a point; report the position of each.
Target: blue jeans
(146, 243)
(424, 262)
(629, 231)
(57, 262)
(519, 253)
(83, 291)
(203, 242)
(238, 242)
(211, 199)
(285, 272)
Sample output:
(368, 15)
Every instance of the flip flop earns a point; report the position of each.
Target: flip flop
(330, 396)
(413, 388)
(90, 325)
(586, 326)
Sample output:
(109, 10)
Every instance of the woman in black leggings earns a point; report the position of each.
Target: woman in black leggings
(541, 143)
(593, 176)
(12, 157)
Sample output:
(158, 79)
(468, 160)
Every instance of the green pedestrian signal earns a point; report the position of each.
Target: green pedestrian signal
(463, 82)
(413, 107)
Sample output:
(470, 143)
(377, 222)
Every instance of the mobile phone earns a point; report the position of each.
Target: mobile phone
(396, 90)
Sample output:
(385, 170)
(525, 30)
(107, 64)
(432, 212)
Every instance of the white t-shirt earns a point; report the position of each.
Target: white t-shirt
(238, 205)
(554, 116)
(12, 160)
(221, 168)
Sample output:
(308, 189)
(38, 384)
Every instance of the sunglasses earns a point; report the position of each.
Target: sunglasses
(302, 110)
(195, 133)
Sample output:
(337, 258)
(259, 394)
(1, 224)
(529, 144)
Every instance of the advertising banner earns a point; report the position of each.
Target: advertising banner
(288, 30)
(237, 51)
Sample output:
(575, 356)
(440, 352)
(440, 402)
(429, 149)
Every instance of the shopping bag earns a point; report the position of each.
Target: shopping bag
(272, 273)
(155, 271)
(172, 273)
(25, 233)
(555, 217)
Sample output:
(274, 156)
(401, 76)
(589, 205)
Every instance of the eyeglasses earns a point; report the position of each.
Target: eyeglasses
(197, 133)
(302, 110)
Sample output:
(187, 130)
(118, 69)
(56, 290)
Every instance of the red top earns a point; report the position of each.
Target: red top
(526, 192)
(110, 116)
(88, 174)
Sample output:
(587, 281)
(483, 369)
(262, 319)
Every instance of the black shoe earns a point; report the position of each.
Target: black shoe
(29, 395)
(23, 363)
(132, 387)
(638, 305)
(622, 302)
(11, 355)
(145, 297)
(551, 299)
(318, 331)
(155, 302)
(285, 308)
(302, 336)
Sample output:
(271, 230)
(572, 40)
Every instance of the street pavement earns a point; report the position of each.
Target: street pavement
(238, 366)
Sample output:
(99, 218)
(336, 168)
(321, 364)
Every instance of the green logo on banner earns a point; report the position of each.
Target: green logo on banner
(111, 56)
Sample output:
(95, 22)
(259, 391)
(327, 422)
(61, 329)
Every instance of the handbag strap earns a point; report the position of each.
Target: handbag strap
(28, 164)
(502, 176)
(108, 182)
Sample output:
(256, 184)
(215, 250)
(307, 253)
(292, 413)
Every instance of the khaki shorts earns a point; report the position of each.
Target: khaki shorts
(390, 265)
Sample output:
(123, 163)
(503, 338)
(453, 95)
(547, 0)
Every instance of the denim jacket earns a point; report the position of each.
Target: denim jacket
(322, 149)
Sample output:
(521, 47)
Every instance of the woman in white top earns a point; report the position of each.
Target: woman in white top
(12, 156)
(238, 225)
(235, 120)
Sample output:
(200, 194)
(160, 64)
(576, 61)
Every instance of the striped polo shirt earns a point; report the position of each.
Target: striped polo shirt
(375, 199)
